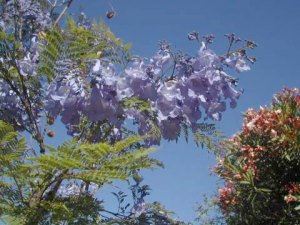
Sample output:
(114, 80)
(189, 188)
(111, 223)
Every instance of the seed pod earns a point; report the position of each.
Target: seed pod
(110, 14)
(51, 133)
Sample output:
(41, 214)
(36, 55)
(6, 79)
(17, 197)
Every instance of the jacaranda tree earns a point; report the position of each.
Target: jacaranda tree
(260, 165)
(77, 73)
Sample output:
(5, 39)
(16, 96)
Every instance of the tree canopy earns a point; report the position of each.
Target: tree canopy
(77, 73)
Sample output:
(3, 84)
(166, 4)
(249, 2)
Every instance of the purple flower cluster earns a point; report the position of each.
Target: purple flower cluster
(139, 208)
(20, 23)
(13, 110)
(30, 14)
(11, 107)
(181, 89)
(24, 19)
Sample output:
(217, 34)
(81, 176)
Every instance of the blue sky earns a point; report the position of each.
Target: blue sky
(273, 24)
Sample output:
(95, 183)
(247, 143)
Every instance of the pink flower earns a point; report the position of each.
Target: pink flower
(273, 133)
(290, 198)
(237, 176)
(250, 125)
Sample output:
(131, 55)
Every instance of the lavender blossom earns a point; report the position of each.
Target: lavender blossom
(238, 62)
(26, 67)
(199, 91)
(139, 208)
(69, 190)
(193, 36)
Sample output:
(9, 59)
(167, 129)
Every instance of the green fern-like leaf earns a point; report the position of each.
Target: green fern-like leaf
(99, 162)
(78, 46)
(53, 49)
(12, 148)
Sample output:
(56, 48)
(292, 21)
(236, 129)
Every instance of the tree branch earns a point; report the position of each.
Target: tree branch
(62, 13)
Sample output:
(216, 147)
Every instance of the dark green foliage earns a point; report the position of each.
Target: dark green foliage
(79, 210)
(260, 166)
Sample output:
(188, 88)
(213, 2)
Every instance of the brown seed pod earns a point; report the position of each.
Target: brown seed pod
(110, 14)
(51, 133)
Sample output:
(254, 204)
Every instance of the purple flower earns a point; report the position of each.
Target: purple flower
(30, 12)
(139, 208)
(193, 36)
(123, 88)
(168, 103)
(197, 84)
(69, 190)
(170, 128)
(136, 81)
(161, 62)
(84, 22)
(103, 105)
(214, 110)
(238, 62)
(205, 59)
(26, 67)
(103, 71)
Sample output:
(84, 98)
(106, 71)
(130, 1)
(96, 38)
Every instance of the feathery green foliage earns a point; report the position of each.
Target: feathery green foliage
(205, 134)
(95, 162)
(77, 46)
(13, 149)
(32, 187)
(55, 49)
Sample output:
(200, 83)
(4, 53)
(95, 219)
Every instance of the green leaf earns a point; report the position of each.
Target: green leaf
(244, 182)
(264, 190)
(127, 47)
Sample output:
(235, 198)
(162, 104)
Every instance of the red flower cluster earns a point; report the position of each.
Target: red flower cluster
(227, 196)
(293, 190)
(265, 122)
(269, 135)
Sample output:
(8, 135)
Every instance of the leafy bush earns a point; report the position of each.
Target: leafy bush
(260, 165)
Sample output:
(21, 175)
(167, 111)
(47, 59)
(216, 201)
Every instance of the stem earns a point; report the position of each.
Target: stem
(174, 67)
(30, 112)
(114, 214)
(19, 190)
(26, 103)
(25, 99)
(230, 45)
(58, 180)
(62, 13)
(237, 50)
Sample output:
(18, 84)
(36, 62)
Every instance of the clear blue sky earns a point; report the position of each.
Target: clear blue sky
(273, 24)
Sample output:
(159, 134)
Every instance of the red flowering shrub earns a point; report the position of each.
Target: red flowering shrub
(261, 165)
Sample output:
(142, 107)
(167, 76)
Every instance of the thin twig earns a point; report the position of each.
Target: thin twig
(62, 13)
